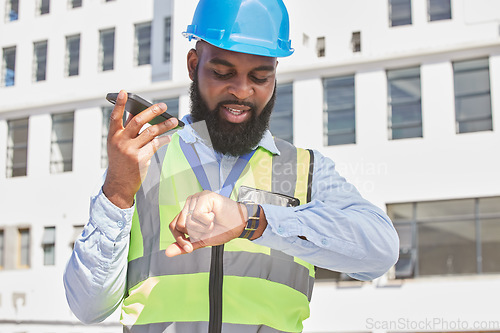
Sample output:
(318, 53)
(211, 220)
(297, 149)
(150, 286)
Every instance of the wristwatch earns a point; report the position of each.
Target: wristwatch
(253, 217)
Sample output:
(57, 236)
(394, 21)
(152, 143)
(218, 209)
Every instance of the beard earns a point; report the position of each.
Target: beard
(230, 138)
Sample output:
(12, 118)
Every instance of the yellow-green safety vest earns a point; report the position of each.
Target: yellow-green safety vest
(252, 288)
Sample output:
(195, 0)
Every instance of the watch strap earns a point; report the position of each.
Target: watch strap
(253, 217)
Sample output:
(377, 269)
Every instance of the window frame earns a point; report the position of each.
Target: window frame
(430, 12)
(67, 164)
(167, 39)
(12, 147)
(418, 124)
(24, 248)
(460, 97)
(407, 20)
(37, 64)
(103, 50)
(10, 14)
(49, 242)
(284, 90)
(413, 221)
(349, 109)
(72, 65)
(9, 66)
(141, 58)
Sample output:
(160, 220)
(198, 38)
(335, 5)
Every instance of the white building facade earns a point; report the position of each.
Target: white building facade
(404, 95)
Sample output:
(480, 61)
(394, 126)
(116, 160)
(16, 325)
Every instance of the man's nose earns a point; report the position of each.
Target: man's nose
(241, 88)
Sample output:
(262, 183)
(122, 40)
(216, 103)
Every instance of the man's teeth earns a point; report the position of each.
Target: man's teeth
(234, 111)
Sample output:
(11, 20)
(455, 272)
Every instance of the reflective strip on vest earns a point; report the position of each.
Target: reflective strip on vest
(194, 327)
(161, 289)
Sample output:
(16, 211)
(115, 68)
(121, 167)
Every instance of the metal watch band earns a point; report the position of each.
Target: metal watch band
(253, 217)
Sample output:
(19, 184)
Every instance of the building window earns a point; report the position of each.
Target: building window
(39, 61)
(75, 3)
(24, 248)
(172, 105)
(61, 155)
(339, 110)
(167, 33)
(107, 49)
(17, 147)
(9, 66)
(356, 41)
(281, 123)
(439, 10)
(399, 12)
(472, 96)
(43, 7)
(404, 103)
(49, 246)
(143, 44)
(320, 47)
(2, 249)
(451, 237)
(72, 55)
(12, 10)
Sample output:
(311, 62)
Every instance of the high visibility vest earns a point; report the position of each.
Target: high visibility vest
(237, 287)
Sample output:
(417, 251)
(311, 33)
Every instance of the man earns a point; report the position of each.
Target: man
(219, 227)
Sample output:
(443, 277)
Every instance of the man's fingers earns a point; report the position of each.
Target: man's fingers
(175, 249)
(115, 119)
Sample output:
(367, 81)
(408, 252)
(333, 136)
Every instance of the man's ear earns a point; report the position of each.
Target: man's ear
(192, 63)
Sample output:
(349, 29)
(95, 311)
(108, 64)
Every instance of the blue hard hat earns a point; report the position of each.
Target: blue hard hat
(258, 27)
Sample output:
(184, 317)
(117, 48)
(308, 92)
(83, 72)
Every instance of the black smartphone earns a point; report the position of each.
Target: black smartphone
(136, 104)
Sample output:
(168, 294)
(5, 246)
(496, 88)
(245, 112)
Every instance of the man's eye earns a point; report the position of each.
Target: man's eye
(222, 76)
(259, 80)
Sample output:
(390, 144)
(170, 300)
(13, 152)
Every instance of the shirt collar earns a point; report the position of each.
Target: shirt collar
(197, 132)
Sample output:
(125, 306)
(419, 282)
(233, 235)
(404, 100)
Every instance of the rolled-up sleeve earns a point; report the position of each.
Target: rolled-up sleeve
(343, 231)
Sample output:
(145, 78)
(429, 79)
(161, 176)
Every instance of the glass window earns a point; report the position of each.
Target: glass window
(320, 47)
(172, 105)
(399, 12)
(43, 7)
(9, 66)
(75, 3)
(439, 9)
(72, 55)
(2, 249)
(17, 147)
(472, 96)
(24, 248)
(107, 49)
(12, 10)
(404, 103)
(61, 156)
(356, 41)
(39, 61)
(339, 110)
(143, 44)
(281, 123)
(167, 33)
(49, 245)
(449, 237)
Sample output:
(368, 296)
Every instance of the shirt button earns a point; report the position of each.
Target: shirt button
(120, 224)
(324, 242)
(280, 230)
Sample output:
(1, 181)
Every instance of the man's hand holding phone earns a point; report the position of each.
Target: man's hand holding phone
(130, 150)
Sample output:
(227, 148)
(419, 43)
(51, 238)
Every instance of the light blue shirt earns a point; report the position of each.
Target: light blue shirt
(344, 232)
